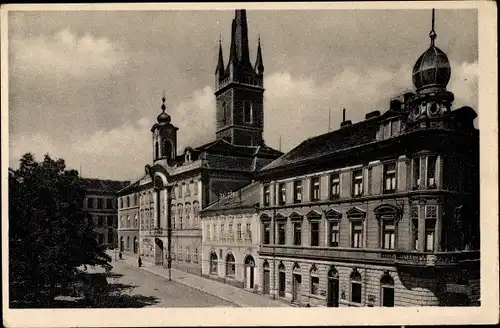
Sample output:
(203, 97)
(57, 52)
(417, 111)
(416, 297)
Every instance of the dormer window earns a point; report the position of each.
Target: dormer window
(390, 128)
(247, 112)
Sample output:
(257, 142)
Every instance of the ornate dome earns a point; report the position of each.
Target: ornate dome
(432, 69)
(163, 117)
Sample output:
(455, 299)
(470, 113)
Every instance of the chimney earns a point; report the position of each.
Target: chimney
(344, 122)
(343, 115)
(395, 105)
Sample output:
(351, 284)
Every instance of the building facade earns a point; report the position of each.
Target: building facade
(384, 212)
(230, 242)
(177, 185)
(100, 203)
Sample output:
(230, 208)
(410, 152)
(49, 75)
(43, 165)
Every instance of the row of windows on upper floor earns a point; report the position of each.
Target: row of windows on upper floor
(355, 228)
(218, 232)
(424, 176)
(101, 203)
(179, 191)
(185, 217)
(104, 221)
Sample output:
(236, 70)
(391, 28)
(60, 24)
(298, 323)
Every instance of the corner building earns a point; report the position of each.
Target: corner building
(384, 212)
(177, 185)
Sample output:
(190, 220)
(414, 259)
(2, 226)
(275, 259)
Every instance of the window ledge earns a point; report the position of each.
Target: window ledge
(346, 302)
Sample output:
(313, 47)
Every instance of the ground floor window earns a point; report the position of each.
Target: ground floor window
(213, 263)
(195, 255)
(356, 287)
(387, 290)
(314, 281)
(230, 265)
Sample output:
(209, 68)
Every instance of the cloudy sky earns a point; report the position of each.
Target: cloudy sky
(87, 85)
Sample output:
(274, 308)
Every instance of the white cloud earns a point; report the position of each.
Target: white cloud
(66, 54)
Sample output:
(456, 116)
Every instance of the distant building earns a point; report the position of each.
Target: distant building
(231, 238)
(100, 202)
(384, 212)
(175, 187)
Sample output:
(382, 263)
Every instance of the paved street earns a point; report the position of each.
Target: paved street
(155, 291)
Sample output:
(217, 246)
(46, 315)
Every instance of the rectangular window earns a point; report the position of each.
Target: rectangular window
(429, 234)
(315, 190)
(297, 191)
(356, 291)
(431, 171)
(266, 234)
(222, 235)
(390, 177)
(416, 173)
(334, 186)
(334, 233)
(247, 110)
(188, 190)
(89, 203)
(267, 195)
(314, 233)
(249, 232)
(282, 188)
(100, 221)
(195, 188)
(230, 232)
(357, 183)
(388, 235)
(180, 191)
(415, 233)
(208, 232)
(109, 203)
(238, 231)
(357, 234)
(314, 285)
(99, 202)
(195, 255)
(297, 233)
(281, 233)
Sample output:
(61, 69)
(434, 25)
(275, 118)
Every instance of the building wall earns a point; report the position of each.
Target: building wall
(222, 245)
(128, 222)
(102, 208)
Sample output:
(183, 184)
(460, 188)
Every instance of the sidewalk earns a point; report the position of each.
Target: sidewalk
(226, 292)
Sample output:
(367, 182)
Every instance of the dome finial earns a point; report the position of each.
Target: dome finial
(432, 33)
(163, 107)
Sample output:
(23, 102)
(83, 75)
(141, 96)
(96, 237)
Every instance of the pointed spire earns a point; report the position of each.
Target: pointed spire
(432, 33)
(220, 63)
(239, 39)
(259, 64)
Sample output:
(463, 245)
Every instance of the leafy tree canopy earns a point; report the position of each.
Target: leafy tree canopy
(50, 234)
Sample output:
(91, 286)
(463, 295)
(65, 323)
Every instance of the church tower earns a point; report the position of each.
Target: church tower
(164, 138)
(240, 90)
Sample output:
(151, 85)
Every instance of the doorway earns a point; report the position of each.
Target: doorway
(281, 280)
(333, 288)
(249, 272)
(266, 282)
(158, 252)
(136, 245)
(297, 282)
(121, 244)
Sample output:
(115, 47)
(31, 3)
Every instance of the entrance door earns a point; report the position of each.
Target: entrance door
(121, 244)
(266, 281)
(281, 284)
(333, 292)
(249, 272)
(135, 245)
(158, 251)
(297, 281)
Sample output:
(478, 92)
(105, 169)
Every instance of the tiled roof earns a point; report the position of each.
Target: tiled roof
(328, 143)
(111, 186)
(128, 187)
(245, 197)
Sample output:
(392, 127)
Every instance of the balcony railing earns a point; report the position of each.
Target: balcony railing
(401, 258)
(159, 231)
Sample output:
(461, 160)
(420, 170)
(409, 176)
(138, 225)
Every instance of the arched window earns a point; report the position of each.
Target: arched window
(196, 214)
(135, 200)
(167, 148)
(230, 265)
(128, 201)
(213, 263)
(128, 243)
(387, 290)
(356, 287)
(281, 280)
(128, 221)
(181, 214)
(314, 281)
(267, 279)
(121, 202)
(122, 222)
(157, 150)
(247, 112)
(188, 215)
(224, 113)
(136, 221)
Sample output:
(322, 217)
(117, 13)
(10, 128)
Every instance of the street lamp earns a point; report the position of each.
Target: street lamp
(169, 232)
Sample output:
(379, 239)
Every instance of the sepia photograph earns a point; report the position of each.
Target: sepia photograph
(233, 164)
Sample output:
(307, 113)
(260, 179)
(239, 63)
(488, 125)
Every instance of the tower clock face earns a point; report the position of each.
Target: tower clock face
(433, 109)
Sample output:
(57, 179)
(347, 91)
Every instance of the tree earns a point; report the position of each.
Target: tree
(50, 234)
